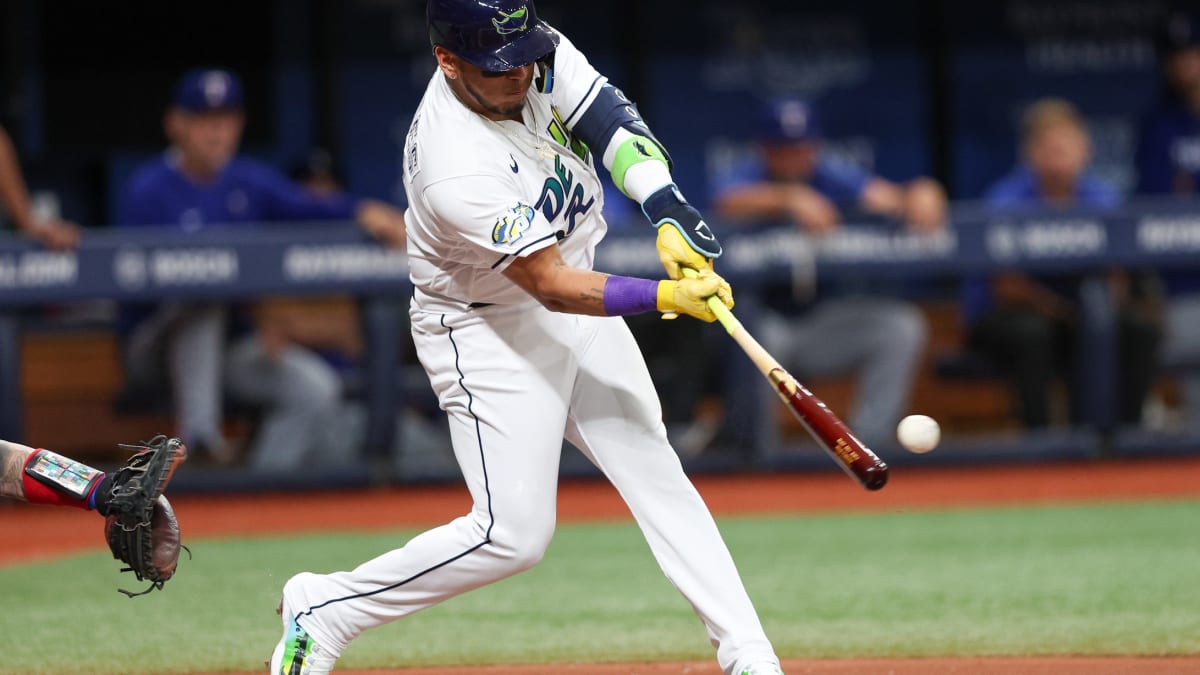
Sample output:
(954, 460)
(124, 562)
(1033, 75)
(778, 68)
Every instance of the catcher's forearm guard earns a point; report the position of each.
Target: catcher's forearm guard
(63, 474)
(141, 528)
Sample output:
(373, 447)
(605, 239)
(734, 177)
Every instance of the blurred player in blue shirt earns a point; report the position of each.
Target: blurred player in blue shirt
(1168, 162)
(1168, 154)
(1026, 324)
(198, 182)
(792, 179)
(880, 339)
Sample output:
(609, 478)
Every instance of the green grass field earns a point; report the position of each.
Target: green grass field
(1098, 580)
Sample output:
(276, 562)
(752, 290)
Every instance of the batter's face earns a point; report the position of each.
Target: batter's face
(495, 95)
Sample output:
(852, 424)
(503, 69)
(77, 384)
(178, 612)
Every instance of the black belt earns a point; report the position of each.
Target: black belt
(479, 305)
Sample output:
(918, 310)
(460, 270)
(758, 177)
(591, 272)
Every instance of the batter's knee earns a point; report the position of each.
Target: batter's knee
(520, 547)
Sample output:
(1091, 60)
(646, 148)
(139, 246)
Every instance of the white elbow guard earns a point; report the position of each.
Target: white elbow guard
(639, 166)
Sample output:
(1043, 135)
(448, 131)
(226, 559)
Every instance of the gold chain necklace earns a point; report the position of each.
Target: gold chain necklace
(541, 147)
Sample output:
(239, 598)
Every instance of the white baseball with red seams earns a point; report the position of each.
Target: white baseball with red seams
(918, 433)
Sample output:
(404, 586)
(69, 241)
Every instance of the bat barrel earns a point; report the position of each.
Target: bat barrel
(851, 454)
(855, 458)
(874, 476)
(830, 432)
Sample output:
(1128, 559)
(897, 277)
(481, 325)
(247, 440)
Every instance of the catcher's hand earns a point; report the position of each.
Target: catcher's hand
(140, 528)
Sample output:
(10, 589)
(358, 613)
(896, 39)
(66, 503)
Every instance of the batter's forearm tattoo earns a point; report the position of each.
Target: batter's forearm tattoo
(593, 296)
(12, 462)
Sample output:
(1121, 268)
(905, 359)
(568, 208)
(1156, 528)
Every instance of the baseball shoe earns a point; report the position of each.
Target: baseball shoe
(762, 668)
(297, 652)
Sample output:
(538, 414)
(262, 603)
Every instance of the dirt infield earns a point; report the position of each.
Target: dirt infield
(38, 533)
(955, 666)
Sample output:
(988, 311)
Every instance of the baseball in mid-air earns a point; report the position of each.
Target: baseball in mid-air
(918, 433)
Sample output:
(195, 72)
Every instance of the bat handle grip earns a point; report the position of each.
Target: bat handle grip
(726, 317)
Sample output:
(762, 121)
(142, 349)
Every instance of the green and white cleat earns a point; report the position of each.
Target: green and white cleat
(299, 654)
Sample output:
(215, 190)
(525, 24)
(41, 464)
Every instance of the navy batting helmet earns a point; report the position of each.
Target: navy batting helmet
(494, 35)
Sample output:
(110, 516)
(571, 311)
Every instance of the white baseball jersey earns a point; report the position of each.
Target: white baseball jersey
(515, 379)
(531, 185)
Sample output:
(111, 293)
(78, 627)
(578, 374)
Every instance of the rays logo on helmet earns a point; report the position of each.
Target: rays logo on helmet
(512, 23)
(511, 226)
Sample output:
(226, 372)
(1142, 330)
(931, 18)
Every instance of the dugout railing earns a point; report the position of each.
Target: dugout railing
(296, 260)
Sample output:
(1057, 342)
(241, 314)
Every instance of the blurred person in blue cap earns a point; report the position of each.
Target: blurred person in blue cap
(52, 232)
(208, 350)
(792, 179)
(1028, 324)
(839, 331)
(1168, 163)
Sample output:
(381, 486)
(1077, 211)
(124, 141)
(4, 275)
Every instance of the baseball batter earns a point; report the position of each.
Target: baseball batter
(521, 339)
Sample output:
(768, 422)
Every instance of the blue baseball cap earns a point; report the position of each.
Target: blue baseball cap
(788, 120)
(1180, 30)
(208, 90)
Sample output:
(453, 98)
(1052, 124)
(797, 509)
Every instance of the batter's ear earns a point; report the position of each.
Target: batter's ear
(447, 62)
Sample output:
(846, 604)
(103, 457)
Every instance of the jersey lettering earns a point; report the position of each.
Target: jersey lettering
(410, 162)
(561, 195)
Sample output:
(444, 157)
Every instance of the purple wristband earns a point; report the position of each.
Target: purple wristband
(629, 295)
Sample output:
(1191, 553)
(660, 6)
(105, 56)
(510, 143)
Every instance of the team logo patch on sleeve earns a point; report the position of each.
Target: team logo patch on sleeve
(511, 226)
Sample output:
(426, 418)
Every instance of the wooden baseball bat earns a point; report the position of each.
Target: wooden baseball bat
(851, 454)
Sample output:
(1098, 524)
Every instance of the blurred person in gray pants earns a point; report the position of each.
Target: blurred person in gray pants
(1168, 163)
(194, 347)
(840, 330)
(207, 351)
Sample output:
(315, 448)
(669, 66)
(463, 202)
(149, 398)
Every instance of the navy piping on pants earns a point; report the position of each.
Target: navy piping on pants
(487, 539)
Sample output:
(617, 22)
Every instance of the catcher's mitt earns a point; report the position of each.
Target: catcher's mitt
(140, 528)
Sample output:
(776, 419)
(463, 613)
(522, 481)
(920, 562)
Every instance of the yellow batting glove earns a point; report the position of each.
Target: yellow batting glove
(674, 252)
(692, 243)
(690, 295)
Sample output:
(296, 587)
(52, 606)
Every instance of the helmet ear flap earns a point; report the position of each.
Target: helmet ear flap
(544, 81)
